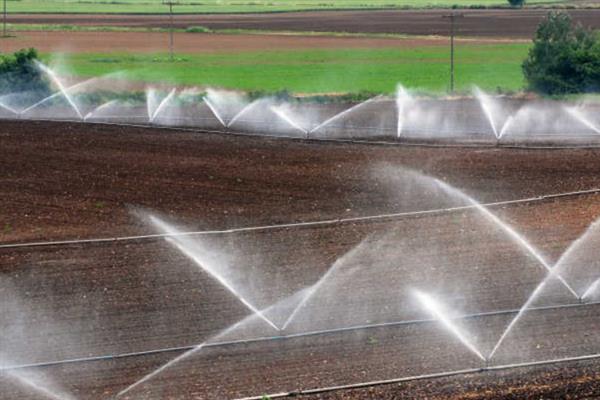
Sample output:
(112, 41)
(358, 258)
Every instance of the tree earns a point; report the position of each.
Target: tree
(565, 58)
(516, 3)
(18, 73)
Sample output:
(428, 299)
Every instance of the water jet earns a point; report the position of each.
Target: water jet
(191, 249)
(52, 75)
(282, 114)
(343, 114)
(441, 315)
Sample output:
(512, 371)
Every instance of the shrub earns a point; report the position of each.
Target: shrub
(197, 29)
(565, 58)
(516, 3)
(18, 73)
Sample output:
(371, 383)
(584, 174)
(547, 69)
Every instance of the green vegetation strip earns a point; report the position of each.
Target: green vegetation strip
(237, 6)
(321, 71)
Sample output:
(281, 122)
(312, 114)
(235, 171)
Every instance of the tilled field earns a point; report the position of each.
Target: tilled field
(68, 180)
(153, 42)
(479, 23)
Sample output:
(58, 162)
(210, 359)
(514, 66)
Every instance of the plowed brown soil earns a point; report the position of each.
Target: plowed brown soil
(489, 23)
(67, 180)
(151, 42)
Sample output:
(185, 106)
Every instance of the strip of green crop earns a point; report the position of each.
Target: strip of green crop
(320, 71)
(236, 6)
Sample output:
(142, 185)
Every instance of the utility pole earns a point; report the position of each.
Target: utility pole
(4, 33)
(452, 18)
(171, 28)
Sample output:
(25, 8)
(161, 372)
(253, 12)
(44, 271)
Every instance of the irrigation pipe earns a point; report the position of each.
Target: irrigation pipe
(396, 143)
(288, 337)
(423, 377)
(333, 221)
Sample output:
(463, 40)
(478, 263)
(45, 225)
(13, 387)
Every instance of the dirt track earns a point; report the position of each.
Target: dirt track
(66, 180)
(479, 23)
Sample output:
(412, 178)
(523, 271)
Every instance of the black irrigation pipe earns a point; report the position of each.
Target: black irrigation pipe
(333, 221)
(286, 337)
(423, 377)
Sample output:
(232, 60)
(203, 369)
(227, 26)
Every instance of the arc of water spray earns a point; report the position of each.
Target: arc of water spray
(512, 233)
(484, 102)
(306, 294)
(343, 113)
(213, 109)
(181, 357)
(317, 285)
(199, 347)
(591, 289)
(163, 104)
(56, 94)
(402, 97)
(8, 108)
(507, 124)
(551, 274)
(578, 115)
(521, 312)
(30, 384)
(101, 107)
(589, 231)
(58, 83)
(281, 114)
(179, 243)
(241, 112)
(436, 310)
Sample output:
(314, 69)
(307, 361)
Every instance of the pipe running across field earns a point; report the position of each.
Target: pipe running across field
(110, 357)
(423, 377)
(332, 221)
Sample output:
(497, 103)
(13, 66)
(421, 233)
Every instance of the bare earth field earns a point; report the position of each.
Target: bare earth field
(577, 380)
(153, 42)
(80, 179)
(117, 310)
(478, 23)
(68, 180)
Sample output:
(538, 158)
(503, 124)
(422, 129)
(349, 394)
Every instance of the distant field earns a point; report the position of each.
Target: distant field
(321, 71)
(236, 6)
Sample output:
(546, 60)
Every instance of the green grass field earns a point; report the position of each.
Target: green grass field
(321, 71)
(236, 6)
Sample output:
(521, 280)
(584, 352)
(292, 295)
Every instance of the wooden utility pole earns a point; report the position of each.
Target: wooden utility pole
(452, 18)
(4, 33)
(170, 3)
